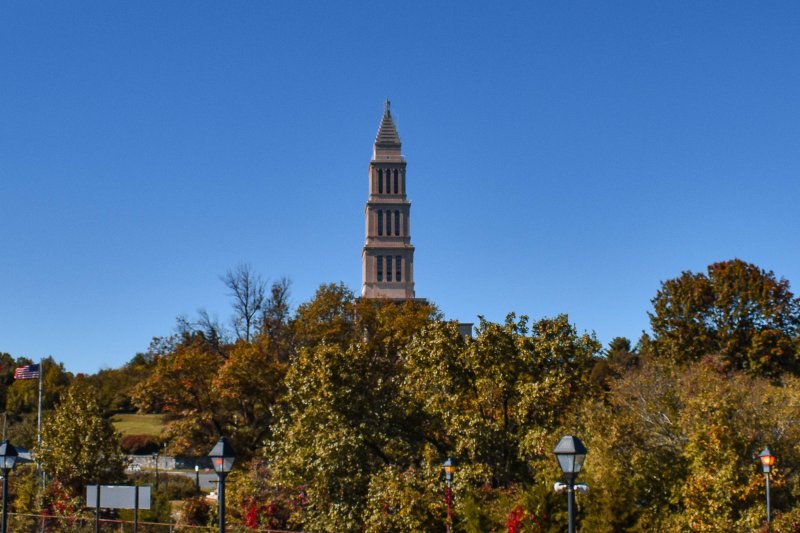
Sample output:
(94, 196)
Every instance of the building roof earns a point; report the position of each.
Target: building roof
(387, 133)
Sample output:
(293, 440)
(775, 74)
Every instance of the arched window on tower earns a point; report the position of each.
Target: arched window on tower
(398, 266)
(380, 181)
(397, 222)
(396, 189)
(380, 268)
(388, 222)
(380, 222)
(388, 268)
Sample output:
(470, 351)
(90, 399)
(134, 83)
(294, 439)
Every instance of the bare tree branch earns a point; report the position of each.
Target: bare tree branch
(248, 290)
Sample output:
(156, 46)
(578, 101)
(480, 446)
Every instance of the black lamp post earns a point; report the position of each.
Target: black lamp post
(449, 469)
(767, 462)
(197, 478)
(222, 457)
(8, 458)
(570, 453)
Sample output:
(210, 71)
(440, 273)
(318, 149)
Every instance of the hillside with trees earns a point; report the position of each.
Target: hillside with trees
(342, 411)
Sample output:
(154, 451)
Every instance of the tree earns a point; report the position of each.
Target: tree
(494, 400)
(7, 367)
(345, 416)
(672, 448)
(619, 358)
(23, 395)
(181, 385)
(207, 390)
(257, 504)
(80, 445)
(408, 499)
(737, 310)
(249, 294)
(248, 385)
(115, 385)
(22, 398)
(328, 318)
(275, 320)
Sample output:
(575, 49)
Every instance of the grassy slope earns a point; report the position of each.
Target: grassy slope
(138, 424)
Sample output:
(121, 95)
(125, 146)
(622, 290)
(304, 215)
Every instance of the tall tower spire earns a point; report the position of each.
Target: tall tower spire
(387, 261)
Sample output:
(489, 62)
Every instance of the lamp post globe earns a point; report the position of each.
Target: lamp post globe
(8, 458)
(449, 468)
(222, 457)
(767, 462)
(570, 453)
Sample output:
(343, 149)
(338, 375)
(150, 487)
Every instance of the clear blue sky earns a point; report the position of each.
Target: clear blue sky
(563, 157)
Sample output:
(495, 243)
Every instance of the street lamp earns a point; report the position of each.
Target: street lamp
(449, 469)
(8, 458)
(767, 462)
(197, 478)
(222, 457)
(570, 453)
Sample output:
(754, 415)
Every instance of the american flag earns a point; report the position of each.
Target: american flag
(27, 372)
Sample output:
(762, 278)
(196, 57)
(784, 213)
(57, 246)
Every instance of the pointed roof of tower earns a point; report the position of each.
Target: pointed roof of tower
(387, 133)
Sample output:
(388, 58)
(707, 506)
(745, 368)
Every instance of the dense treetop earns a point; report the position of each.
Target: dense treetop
(343, 409)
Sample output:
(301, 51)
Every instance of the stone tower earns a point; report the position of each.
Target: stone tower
(387, 261)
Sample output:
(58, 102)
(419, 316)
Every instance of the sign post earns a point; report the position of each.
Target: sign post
(136, 510)
(97, 509)
(119, 497)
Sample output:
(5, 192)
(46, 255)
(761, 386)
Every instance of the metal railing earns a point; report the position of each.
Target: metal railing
(33, 523)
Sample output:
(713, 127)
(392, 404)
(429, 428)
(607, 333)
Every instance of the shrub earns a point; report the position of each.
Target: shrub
(139, 444)
(195, 512)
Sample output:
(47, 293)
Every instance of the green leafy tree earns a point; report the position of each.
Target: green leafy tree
(672, 448)
(401, 500)
(327, 318)
(494, 400)
(115, 385)
(7, 367)
(737, 310)
(345, 415)
(80, 445)
(619, 358)
(247, 386)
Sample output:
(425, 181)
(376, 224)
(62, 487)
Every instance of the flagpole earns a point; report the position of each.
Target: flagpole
(39, 422)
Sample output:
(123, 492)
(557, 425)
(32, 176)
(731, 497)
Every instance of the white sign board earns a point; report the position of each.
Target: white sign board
(118, 496)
